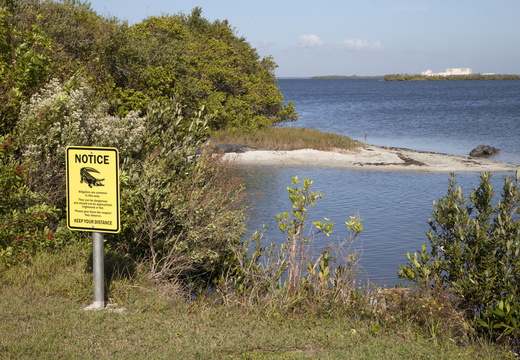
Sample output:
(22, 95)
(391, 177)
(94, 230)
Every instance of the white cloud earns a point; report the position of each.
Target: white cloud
(310, 41)
(377, 46)
(265, 42)
(359, 45)
(353, 44)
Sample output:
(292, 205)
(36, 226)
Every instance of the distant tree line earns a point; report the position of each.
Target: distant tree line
(346, 77)
(419, 77)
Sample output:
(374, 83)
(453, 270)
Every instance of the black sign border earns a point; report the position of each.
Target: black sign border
(81, 228)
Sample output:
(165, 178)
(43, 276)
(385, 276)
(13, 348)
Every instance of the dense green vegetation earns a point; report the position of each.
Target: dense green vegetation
(419, 77)
(155, 90)
(159, 91)
(186, 57)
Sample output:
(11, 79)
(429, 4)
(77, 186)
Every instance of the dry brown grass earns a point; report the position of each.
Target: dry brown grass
(286, 138)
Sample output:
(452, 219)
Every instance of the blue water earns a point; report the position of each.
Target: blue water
(450, 117)
(443, 116)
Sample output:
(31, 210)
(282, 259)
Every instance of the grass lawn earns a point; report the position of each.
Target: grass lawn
(42, 316)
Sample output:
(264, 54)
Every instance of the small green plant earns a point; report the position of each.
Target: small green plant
(289, 274)
(292, 224)
(504, 318)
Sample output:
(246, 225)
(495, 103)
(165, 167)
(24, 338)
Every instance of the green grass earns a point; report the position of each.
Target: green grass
(287, 138)
(42, 316)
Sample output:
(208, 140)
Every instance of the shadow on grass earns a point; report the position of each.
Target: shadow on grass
(117, 267)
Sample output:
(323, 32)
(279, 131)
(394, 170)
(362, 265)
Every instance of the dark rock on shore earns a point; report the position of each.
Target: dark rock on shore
(225, 148)
(483, 150)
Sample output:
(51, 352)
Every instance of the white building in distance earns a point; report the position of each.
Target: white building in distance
(449, 71)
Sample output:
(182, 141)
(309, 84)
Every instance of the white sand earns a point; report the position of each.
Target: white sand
(372, 157)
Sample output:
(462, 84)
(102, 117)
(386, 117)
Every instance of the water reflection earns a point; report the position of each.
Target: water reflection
(395, 207)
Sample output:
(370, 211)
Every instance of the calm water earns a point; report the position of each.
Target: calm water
(443, 116)
(451, 117)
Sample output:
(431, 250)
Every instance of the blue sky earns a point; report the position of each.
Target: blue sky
(359, 37)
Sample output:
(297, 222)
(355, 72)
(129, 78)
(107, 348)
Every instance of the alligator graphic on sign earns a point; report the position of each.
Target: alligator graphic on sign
(87, 177)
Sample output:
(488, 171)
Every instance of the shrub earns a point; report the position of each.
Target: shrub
(292, 224)
(25, 64)
(182, 227)
(290, 276)
(205, 64)
(65, 114)
(181, 211)
(27, 222)
(474, 254)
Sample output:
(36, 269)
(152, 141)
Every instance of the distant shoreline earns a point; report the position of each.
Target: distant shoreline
(347, 77)
(411, 77)
(419, 77)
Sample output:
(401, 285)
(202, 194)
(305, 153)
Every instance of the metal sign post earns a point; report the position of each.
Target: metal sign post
(93, 203)
(98, 264)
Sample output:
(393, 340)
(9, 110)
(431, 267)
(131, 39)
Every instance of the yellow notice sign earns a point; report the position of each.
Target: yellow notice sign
(93, 189)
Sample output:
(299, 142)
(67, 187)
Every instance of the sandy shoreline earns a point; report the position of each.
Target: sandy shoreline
(372, 157)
